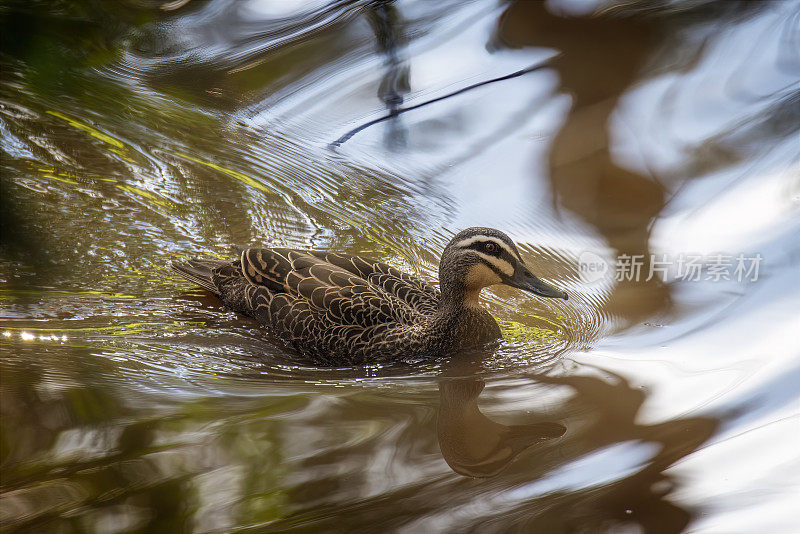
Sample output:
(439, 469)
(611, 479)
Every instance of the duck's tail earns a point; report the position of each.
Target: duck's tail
(198, 272)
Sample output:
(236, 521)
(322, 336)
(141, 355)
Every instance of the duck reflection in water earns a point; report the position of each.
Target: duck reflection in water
(474, 445)
(555, 462)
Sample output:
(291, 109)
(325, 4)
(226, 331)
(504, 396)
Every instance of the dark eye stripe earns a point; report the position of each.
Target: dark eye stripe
(480, 246)
(499, 252)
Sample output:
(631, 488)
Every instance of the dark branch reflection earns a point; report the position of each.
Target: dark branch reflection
(387, 24)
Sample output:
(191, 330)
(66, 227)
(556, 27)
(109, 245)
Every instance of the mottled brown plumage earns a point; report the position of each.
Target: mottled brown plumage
(339, 309)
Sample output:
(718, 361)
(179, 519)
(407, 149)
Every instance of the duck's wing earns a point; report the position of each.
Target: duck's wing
(332, 307)
(322, 307)
(415, 292)
(326, 311)
(347, 296)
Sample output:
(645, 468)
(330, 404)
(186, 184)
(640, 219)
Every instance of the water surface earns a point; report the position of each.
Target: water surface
(655, 136)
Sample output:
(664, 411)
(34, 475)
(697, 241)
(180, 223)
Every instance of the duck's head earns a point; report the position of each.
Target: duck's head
(480, 257)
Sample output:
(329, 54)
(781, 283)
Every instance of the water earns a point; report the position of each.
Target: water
(661, 137)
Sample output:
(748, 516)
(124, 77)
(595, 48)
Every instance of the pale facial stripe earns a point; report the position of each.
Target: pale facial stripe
(500, 264)
(465, 243)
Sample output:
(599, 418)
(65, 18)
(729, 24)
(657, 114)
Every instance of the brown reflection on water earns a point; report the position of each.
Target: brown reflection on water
(76, 441)
(602, 412)
(69, 442)
(600, 58)
(80, 452)
(555, 485)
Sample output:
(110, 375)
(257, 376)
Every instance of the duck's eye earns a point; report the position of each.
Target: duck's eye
(491, 248)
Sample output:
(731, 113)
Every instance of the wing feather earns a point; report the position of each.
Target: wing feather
(328, 305)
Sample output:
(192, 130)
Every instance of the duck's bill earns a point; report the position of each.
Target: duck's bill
(524, 279)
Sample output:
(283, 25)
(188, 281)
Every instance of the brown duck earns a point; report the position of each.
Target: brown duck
(338, 309)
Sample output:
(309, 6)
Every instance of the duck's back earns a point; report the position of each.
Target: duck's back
(334, 308)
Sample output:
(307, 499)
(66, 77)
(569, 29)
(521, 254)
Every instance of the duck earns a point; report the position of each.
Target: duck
(344, 310)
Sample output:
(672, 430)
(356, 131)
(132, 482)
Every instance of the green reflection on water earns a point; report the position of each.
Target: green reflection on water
(94, 132)
(519, 332)
(117, 330)
(6, 294)
(242, 177)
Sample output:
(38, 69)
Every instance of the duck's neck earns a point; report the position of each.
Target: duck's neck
(463, 321)
(460, 312)
(459, 301)
(457, 294)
